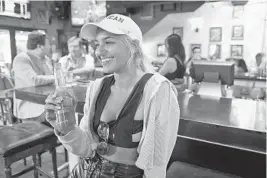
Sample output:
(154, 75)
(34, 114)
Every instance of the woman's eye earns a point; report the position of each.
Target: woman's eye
(109, 42)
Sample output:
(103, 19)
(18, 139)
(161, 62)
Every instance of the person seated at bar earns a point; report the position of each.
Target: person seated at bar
(131, 117)
(260, 63)
(240, 66)
(196, 55)
(76, 61)
(30, 68)
(173, 67)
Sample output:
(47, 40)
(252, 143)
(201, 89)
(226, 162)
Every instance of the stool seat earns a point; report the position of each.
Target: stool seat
(22, 136)
(185, 170)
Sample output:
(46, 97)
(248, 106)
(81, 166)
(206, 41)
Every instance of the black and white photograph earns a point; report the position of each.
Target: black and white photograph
(236, 50)
(133, 89)
(238, 32)
(215, 34)
(238, 11)
(214, 51)
(179, 31)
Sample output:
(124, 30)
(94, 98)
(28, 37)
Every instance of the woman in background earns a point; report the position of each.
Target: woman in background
(240, 66)
(173, 67)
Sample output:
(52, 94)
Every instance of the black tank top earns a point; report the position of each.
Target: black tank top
(121, 130)
(178, 73)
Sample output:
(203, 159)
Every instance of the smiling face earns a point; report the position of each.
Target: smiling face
(112, 52)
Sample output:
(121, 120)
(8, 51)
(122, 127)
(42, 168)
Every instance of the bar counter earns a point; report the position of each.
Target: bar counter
(250, 80)
(209, 127)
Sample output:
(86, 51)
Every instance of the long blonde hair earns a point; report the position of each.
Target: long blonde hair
(138, 56)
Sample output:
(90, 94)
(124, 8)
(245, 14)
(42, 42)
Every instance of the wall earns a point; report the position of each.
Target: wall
(214, 14)
(158, 15)
(34, 22)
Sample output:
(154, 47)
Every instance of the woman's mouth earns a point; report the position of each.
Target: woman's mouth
(106, 61)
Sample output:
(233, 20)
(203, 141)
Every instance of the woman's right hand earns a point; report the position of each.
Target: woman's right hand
(60, 110)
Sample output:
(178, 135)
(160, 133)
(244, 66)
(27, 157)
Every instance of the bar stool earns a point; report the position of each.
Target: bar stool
(27, 139)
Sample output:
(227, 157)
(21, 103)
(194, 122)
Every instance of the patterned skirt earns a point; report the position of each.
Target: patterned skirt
(98, 167)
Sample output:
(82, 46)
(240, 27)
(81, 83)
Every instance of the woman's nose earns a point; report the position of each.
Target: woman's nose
(100, 51)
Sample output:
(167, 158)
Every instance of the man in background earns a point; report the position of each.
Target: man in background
(196, 55)
(76, 61)
(30, 68)
(258, 67)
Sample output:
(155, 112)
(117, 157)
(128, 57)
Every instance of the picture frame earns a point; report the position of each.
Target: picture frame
(179, 31)
(236, 51)
(161, 50)
(238, 11)
(238, 32)
(214, 52)
(215, 34)
(193, 46)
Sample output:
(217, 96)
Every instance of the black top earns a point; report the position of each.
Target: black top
(179, 72)
(121, 130)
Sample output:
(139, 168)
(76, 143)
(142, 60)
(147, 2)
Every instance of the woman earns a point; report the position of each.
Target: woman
(130, 118)
(174, 68)
(240, 66)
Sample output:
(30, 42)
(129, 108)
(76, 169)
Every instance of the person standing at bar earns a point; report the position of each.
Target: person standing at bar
(31, 69)
(131, 117)
(76, 61)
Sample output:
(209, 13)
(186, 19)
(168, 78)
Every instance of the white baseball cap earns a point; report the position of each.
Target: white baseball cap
(114, 23)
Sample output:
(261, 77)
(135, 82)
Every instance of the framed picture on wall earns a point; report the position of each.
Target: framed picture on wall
(214, 52)
(192, 46)
(236, 51)
(215, 34)
(179, 31)
(238, 32)
(238, 11)
(161, 50)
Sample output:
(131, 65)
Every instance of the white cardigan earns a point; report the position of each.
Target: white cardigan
(161, 120)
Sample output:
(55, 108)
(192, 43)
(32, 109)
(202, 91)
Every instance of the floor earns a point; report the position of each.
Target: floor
(46, 165)
(182, 170)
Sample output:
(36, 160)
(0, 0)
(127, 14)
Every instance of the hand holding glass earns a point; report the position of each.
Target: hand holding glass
(60, 110)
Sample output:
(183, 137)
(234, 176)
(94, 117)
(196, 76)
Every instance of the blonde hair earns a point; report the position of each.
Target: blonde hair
(138, 56)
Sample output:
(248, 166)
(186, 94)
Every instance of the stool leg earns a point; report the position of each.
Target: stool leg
(8, 170)
(66, 155)
(54, 162)
(35, 163)
(25, 161)
(39, 159)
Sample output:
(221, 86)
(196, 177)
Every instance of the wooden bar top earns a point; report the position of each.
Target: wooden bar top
(238, 113)
(249, 77)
